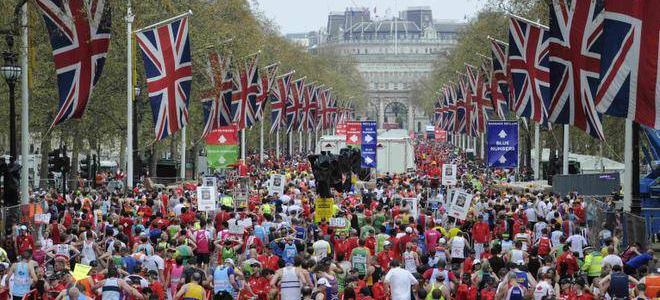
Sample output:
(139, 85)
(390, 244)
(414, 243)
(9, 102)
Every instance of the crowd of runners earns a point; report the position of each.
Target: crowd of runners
(154, 244)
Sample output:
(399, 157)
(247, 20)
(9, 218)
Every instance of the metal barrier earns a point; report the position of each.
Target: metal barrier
(628, 227)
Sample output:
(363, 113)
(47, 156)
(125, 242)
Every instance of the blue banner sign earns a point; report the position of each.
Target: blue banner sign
(369, 133)
(502, 144)
(368, 156)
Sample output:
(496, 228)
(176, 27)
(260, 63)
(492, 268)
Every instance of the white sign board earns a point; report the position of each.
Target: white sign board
(210, 181)
(448, 174)
(413, 205)
(460, 205)
(338, 222)
(276, 184)
(42, 218)
(235, 229)
(206, 198)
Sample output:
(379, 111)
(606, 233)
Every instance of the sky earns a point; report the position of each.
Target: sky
(297, 16)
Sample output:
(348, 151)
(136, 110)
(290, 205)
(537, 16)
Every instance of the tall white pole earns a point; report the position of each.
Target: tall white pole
(129, 96)
(261, 142)
(290, 143)
(300, 142)
(277, 144)
(482, 146)
(183, 154)
(539, 151)
(628, 162)
(474, 145)
(564, 163)
(243, 145)
(25, 111)
(309, 141)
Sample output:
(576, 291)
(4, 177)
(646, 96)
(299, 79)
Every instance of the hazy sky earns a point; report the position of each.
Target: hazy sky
(294, 16)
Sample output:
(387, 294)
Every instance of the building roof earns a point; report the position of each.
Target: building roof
(447, 26)
(385, 26)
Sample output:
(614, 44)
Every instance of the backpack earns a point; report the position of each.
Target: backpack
(544, 246)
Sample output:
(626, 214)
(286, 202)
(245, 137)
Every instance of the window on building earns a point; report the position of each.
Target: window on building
(365, 51)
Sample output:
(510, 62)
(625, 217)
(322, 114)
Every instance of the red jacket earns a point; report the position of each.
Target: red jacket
(481, 232)
(570, 260)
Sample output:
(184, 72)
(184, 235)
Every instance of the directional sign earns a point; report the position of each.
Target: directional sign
(440, 135)
(353, 133)
(502, 144)
(221, 156)
(369, 133)
(341, 129)
(327, 146)
(368, 156)
(224, 135)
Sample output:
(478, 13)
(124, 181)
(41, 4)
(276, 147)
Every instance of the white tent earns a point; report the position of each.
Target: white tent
(589, 164)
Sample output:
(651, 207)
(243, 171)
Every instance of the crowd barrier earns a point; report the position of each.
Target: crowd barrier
(630, 228)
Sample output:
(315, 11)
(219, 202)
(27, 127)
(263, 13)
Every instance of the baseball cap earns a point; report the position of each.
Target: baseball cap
(409, 230)
(323, 281)
(229, 260)
(476, 262)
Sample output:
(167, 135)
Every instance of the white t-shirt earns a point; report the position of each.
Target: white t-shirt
(543, 289)
(401, 282)
(577, 243)
(531, 214)
(612, 260)
(555, 237)
(458, 247)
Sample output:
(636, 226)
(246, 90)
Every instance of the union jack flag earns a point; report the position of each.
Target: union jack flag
(471, 103)
(244, 94)
(529, 69)
(499, 83)
(306, 108)
(575, 42)
(265, 88)
(166, 55)
(293, 105)
(216, 107)
(483, 101)
(79, 32)
(450, 112)
(629, 64)
(334, 112)
(312, 111)
(460, 108)
(323, 113)
(278, 102)
(437, 109)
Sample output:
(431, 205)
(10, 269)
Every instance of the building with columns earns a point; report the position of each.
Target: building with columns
(392, 55)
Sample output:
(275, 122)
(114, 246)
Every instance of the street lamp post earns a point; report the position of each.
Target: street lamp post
(11, 72)
(137, 165)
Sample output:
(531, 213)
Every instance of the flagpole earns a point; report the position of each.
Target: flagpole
(566, 150)
(503, 43)
(243, 145)
(537, 24)
(539, 151)
(300, 142)
(183, 155)
(628, 162)
(290, 143)
(482, 146)
(309, 141)
(261, 142)
(129, 96)
(172, 19)
(25, 110)
(277, 144)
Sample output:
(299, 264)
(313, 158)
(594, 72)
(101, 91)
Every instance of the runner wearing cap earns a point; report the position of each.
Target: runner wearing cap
(224, 280)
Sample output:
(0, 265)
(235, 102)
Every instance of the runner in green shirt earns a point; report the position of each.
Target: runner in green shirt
(360, 258)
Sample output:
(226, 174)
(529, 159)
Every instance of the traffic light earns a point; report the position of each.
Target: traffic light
(54, 161)
(85, 168)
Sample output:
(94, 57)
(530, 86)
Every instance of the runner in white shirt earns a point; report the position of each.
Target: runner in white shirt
(577, 243)
(400, 282)
(321, 249)
(544, 288)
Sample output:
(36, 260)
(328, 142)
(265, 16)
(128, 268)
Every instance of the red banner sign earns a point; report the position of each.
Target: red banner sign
(224, 135)
(341, 129)
(354, 133)
(440, 135)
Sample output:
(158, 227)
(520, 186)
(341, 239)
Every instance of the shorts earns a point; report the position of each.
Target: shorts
(223, 296)
(203, 258)
(456, 260)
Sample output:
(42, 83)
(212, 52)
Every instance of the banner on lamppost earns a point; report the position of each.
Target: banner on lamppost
(440, 135)
(354, 133)
(222, 147)
(502, 144)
